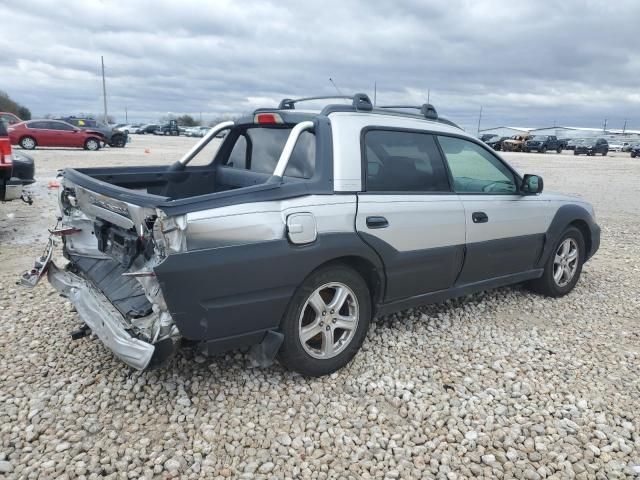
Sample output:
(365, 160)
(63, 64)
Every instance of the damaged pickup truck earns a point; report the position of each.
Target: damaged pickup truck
(301, 227)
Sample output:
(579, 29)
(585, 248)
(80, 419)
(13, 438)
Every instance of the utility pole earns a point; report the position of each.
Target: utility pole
(479, 120)
(104, 91)
(126, 115)
(604, 128)
(624, 127)
(428, 95)
(375, 93)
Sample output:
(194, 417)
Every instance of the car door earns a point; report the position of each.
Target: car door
(505, 230)
(408, 214)
(40, 131)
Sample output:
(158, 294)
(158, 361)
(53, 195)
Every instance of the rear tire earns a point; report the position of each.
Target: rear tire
(633, 154)
(326, 321)
(92, 144)
(559, 150)
(564, 265)
(543, 150)
(604, 154)
(28, 143)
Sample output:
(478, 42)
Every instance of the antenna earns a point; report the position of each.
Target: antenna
(336, 87)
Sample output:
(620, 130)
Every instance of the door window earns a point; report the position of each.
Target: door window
(400, 161)
(474, 169)
(38, 125)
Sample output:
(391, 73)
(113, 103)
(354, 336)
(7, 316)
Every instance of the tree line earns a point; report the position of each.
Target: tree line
(8, 105)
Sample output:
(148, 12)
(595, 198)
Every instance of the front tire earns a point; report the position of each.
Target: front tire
(543, 150)
(91, 144)
(28, 143)
(326, 321)
(564, 265)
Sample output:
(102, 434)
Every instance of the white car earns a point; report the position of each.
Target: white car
(131, 128)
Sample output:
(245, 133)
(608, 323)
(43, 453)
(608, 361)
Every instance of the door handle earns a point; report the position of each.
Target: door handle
(377, 222)
(479, 217)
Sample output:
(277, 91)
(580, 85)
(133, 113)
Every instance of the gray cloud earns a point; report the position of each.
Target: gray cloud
(528, 63)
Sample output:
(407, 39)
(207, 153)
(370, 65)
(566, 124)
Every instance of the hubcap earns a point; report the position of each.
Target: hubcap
(28, 143)
(328, 320)
(565, 263)
(92, 145)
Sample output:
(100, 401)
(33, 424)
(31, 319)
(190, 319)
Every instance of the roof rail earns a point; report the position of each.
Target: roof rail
(426, 109)
(359, 101)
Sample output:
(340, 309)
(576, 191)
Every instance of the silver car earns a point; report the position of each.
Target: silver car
(302, 227)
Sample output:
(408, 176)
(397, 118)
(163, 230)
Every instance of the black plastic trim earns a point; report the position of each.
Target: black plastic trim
(459, 291)
(566, 215)
(223, 292)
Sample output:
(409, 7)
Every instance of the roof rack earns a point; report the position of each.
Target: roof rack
(426, 109)
(359, 101)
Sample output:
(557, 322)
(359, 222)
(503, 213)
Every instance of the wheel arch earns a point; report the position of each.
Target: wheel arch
(372, 275)
(569, 215)
(581, 225)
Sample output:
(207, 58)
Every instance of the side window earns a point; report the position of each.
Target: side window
(38, 125)
(398, 161)
(238, 156)
(474, 169)
(302, 163)
(59, 126)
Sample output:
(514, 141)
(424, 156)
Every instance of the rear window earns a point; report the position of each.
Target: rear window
(258, 149)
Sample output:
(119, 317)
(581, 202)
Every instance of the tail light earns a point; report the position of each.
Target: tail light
(5, 152)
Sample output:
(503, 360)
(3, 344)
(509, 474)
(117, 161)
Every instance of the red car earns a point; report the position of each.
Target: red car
(53, 133)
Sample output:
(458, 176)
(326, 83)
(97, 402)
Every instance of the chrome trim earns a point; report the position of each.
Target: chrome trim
(205, 141)
(101, 317)
(281, 166)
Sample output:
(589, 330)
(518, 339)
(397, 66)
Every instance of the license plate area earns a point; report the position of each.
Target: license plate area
(121, 245)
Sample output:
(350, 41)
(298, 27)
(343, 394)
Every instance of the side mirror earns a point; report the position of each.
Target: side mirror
(531, 184)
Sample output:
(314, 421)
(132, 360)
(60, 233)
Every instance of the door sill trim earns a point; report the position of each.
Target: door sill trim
(459, 291)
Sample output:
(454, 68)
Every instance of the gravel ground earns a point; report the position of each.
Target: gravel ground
(504, 384)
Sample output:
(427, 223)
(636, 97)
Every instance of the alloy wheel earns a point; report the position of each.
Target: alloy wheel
(328, 320)
(565, 263)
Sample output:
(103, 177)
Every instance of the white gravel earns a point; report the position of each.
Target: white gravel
(504, 384)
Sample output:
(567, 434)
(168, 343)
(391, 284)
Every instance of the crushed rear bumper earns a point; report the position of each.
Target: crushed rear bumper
(101, 317)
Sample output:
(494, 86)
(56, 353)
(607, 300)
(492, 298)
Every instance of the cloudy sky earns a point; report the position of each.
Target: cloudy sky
(526, 63)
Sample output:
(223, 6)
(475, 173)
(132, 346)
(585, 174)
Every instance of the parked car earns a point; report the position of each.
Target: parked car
(486, 136)
(169, 128)
(129, 128)
(542, 143)
(626, 146)
(17, 170)
(616, 146)
(635, 150)
(53, 133)
(148, 128)
(114, 137)
(571, 144)
(515, 143)
(303, 227)
(495, 142)
(8, 118)
(592, 146)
